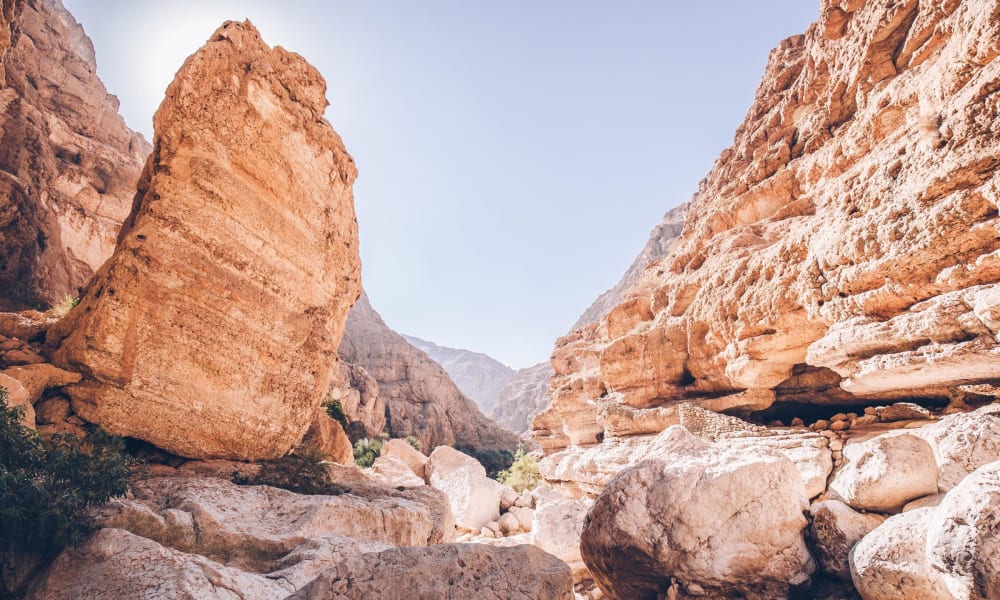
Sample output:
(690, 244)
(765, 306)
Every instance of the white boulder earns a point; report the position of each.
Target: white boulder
(886, 472)
(474, 497)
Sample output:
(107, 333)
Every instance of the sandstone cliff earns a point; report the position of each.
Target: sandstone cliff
(68, 163)
(480, 378)
(421, 400)
(527, 393)
(843, 250)
(212, 330)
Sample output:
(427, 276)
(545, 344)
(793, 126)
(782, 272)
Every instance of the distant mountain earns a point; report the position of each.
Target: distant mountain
(526, 395)
(480, 377)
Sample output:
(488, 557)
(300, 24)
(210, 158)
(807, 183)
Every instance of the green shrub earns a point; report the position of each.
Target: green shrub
(415, 443)
(336, 410)
(522, 474)
(61, 309)
(366, 450)
(46, 485)
(493, 459)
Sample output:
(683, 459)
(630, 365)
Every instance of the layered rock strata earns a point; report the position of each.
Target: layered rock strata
(421, 400)
(68, 162)
(842, 251)
(226, 296)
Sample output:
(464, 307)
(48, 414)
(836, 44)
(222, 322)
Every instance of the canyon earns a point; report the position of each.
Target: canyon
(791, 392)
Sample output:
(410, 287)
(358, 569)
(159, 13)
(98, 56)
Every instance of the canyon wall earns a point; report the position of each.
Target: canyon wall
(68, 162)
(480, 378)
(844, 250)
(212, 330)
(421, 400)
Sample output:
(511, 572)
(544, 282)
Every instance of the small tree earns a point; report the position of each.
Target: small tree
(336, 410)
(45, 486)
(523, 473)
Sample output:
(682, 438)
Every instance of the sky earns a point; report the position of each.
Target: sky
(513, 155)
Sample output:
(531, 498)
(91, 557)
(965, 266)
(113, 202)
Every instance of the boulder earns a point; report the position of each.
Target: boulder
(117, 564)
(474, 497)
(890, 563)
(413, 458)
(254, 527)
(963, 442)
(19, 397)
(686, 516)
(36, 378)
(525, 516)
(963, 536)
(556, 526)
(835, 529)
(394, 472)
(52, 410)
(509, 524)
(886, 472)
(507, 498)
(239, 256)
(326, 437)
(447, 571)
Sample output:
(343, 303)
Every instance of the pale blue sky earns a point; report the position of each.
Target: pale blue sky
(513, 155)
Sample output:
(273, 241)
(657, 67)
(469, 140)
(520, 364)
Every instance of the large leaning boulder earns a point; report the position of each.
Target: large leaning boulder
(700, 519)
(474, 497)
(213, 329)
(447, 571)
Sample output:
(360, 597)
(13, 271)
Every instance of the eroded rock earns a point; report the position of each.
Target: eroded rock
(180, 336)
(683, 516)
(886, 472)
(835, 529)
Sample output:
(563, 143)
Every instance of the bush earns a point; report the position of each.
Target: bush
(522, 474)
(61, 309)
(415, 443)
(493, 459)
(336, 410)
(45, 486)
(366, 450)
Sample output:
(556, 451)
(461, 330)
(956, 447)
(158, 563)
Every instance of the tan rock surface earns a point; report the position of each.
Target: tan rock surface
(362, 403)
(447, 571)
(327, 437)
(68, 162)
(474, 497)
(413, 458)
(394, 472)
(834, 531)
(421, 399)
(963, 537)
(677, 519)
(963, 442)
(886, 472)
(225, 299)
(19, 397)
(39, 377)
(117, 564)
(843, 250)
(890, 563)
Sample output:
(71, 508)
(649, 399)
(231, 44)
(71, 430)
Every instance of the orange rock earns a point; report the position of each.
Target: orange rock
(843, 250)
(212, 330)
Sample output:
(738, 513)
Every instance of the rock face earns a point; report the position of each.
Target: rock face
(660, 239)
(675, 523)
(226, 296)
(360, 399)
(843, 250)
(68, 163)
(479, 377)
(420, 398)
(448, 571)
(525, 395)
